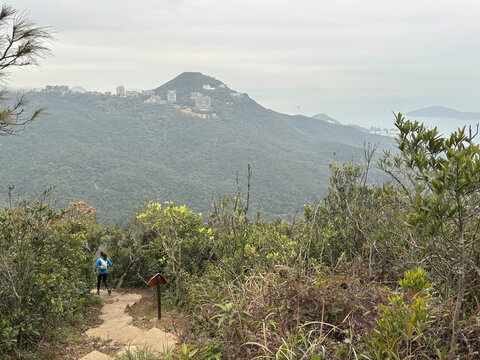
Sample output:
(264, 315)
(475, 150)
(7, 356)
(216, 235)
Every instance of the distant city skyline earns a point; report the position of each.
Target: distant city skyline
(355, 60)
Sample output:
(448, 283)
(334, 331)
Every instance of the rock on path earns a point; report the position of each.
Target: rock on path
(117, 327)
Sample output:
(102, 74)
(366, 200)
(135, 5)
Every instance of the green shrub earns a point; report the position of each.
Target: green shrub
(402, 329)
(415, 281)
(47, 270)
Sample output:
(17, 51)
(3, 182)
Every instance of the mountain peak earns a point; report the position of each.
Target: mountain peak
(194, 89)
(193, 81)
(196, 75)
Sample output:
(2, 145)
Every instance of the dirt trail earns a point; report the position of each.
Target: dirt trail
(117, 326)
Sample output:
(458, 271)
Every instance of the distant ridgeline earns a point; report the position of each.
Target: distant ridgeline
(183, 142)
(443, 112)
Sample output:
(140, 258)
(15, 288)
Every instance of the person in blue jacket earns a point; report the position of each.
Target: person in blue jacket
(102, 264)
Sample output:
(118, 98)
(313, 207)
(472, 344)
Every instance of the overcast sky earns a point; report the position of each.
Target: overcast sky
(355, 60)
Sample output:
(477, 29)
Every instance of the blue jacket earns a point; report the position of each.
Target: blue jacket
(98, 263)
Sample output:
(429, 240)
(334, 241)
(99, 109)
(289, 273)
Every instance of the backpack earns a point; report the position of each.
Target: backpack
(103, 264)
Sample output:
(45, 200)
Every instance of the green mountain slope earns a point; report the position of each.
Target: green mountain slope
(117, 153)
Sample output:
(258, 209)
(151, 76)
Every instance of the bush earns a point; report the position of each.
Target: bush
(284, 308)
(46, 270)
(402, 330)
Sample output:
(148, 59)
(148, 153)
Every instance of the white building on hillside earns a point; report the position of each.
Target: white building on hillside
(56, 88)
(171, 96)
(148, 92)
(203, 103)
(132, 93)
(121, 90)
(195, 95)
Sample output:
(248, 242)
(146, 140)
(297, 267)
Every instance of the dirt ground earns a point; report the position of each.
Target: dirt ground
(144, 314)
(79, 344)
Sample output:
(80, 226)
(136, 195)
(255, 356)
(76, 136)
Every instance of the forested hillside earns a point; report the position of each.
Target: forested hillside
(116, 153)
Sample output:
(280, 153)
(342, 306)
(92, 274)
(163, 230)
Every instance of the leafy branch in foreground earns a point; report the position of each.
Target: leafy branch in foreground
(22, 43)
(443, 175)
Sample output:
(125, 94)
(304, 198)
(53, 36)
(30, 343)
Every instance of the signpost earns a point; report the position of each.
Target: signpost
(157, 281)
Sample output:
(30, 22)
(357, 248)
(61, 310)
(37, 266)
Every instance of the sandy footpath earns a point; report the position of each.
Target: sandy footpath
(117, 326)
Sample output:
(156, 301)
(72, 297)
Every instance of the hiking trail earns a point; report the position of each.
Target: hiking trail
(117, 326)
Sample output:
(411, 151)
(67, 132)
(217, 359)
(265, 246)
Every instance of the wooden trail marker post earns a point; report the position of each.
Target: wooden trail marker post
(158, 280)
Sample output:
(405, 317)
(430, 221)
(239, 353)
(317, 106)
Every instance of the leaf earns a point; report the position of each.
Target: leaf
(395, 343)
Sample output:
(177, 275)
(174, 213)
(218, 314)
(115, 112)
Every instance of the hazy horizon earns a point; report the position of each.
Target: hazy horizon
(378, 114)
(356, 61)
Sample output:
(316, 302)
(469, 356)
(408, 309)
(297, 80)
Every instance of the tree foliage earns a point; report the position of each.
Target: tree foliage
(182, 236)
(441, 176)
(45, 270)
(22, 43)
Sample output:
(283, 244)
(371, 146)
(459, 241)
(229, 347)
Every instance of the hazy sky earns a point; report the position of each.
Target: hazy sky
(355, 60)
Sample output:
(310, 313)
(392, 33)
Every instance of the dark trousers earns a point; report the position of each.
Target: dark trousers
(102, 277)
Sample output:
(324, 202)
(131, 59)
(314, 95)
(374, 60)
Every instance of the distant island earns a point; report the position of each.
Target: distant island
(443, 112)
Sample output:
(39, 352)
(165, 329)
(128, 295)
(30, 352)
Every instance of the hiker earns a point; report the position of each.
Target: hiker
(102, 264)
